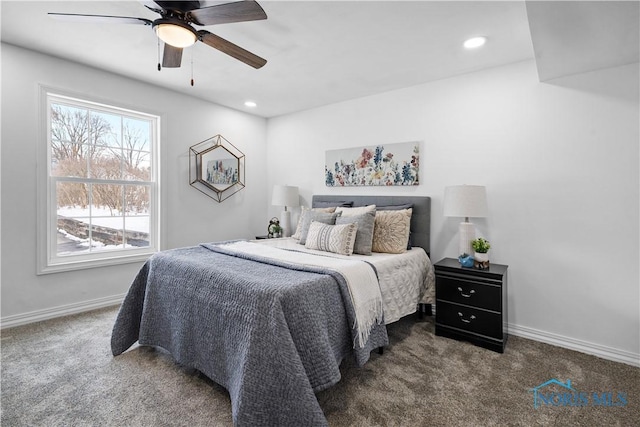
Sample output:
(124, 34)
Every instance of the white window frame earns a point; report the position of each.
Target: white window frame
(48, 260)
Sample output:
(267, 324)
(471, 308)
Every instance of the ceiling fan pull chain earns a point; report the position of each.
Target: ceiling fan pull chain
(159, 67)
(191, 67)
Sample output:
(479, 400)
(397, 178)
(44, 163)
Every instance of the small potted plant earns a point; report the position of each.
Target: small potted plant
(481, 247)
(274, 229)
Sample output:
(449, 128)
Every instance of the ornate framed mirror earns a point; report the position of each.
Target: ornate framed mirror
(216, 168)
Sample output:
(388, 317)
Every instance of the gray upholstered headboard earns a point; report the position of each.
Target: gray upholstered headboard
(420, 217)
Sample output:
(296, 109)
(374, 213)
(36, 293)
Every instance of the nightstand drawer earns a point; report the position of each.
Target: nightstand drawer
(469, 292)
(469, 319)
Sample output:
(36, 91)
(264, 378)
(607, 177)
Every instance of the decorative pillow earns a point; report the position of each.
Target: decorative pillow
(323, 217)
(319, 204)
(364, 235)
(338, 239)
(397, 208)
(296, 235)
(391, 231)
(356, 211)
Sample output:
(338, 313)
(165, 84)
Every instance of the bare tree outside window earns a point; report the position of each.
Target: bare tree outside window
(102, 162)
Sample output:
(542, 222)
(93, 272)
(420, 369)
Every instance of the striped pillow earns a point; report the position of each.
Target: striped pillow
(338, 239)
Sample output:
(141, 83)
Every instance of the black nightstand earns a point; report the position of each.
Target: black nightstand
(471, 304)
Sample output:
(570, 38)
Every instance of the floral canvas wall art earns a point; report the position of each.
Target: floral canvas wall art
(388, 164)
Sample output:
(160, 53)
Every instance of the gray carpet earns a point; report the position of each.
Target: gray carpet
(61, 373)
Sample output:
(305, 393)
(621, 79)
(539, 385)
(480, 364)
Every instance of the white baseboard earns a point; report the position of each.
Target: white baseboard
(63, 310)
(602, 351)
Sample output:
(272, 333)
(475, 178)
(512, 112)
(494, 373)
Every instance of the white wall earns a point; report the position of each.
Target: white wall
(560, 162)
(189, 217)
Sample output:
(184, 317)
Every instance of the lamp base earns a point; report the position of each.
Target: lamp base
(285, 223)
(467, 233)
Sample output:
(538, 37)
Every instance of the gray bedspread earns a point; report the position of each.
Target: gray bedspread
(271, 335)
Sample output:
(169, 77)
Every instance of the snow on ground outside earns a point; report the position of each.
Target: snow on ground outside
(72, 245)
(101, 216)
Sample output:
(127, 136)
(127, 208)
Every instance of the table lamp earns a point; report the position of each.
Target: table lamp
(285, 195)
(465, 201)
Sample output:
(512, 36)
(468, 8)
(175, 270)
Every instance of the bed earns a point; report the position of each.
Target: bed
(271, 322)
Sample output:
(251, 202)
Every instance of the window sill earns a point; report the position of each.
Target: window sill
(95, 263)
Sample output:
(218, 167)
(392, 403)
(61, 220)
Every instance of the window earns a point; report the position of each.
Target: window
(101, 185)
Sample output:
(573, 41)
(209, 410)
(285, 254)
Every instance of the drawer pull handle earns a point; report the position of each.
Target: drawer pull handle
(471, 292)
(466, 320)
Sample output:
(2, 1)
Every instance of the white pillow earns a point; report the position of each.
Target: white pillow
(338, 239)
(359, 210)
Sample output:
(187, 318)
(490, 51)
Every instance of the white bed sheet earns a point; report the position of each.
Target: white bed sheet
(405, 279)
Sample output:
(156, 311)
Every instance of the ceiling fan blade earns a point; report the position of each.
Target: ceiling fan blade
(172, 56)
(231, 49)
(178, 6)
(151, 5)
(92, 19)
(247, 10)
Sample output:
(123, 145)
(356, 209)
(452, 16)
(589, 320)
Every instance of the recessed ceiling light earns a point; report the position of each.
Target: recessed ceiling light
(474, 42)
(250, 104)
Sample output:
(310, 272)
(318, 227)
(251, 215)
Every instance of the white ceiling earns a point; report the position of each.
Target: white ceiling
(318, 52)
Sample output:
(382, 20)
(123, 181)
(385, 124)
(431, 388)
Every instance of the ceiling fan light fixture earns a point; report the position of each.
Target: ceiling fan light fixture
(175, 33)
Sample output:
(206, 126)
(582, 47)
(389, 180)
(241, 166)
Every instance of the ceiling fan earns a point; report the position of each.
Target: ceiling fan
(174, 27)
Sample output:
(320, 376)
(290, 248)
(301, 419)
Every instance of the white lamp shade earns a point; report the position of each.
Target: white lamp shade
(285, 195)
(465, 201)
